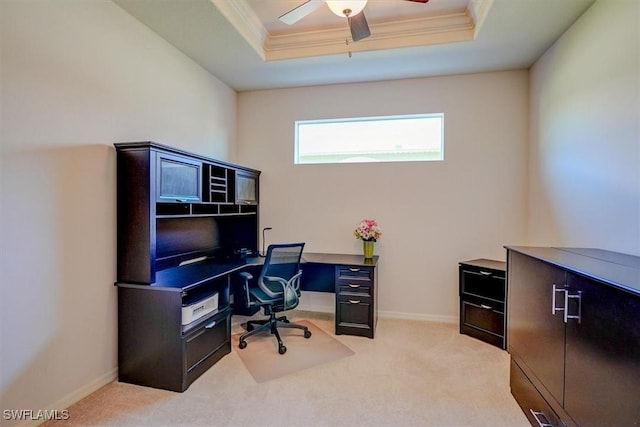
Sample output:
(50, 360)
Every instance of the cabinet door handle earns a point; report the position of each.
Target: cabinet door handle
(354, 301)
(555, 309)
(210, 325)
(541, 418)
(568, 316)
(354, 269)
(354, 285)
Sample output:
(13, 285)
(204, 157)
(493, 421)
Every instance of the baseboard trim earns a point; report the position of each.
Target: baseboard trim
(387, 314)
(87, 389)
(418, 316)
(76, 395)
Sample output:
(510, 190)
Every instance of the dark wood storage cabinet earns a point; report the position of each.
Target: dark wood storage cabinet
(574, 335)
(356, 297)
(181, 230)
(155, 349)
(482, 300)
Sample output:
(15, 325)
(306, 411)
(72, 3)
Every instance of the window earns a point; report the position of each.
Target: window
(407, 138)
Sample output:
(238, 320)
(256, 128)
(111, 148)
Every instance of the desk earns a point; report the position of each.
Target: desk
(351, 277)
(155, 349)
(209, 213)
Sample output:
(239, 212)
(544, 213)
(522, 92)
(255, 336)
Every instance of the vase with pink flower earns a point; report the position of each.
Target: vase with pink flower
(369, 232)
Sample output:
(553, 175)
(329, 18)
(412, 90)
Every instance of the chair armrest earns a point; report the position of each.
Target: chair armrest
(296, 280)
(246, 276)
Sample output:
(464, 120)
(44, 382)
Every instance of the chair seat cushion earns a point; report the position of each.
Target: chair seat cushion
(276, 303)
(262, 297)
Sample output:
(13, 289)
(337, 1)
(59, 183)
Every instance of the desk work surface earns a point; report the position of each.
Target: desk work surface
(318, 270)
(339, 259)
(326, 258)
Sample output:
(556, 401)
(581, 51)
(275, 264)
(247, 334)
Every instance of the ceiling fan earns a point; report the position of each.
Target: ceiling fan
(352, 10)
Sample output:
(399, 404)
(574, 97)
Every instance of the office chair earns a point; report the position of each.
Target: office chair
(278, 290)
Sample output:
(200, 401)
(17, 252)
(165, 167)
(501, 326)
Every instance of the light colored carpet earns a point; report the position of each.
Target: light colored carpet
(263, 361)
(412, 374)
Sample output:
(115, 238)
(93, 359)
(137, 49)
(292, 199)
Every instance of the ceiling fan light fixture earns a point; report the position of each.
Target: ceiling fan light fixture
(340, 6)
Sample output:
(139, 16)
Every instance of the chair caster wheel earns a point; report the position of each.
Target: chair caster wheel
(307, 334)
(242, 344)
(282, 349)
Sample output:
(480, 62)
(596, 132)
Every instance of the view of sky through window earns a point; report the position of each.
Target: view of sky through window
(417, 137)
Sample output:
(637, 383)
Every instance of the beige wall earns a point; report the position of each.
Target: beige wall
(78, 76)
(585, 137)
(433, 214)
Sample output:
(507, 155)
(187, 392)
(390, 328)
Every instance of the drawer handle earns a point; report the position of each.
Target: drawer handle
(354, 301)
(541, 418)
(485, 273)
(354, 285)
(354, 269)
(210, 325)
(484, 306)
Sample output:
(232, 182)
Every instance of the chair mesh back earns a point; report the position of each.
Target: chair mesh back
(283, 260)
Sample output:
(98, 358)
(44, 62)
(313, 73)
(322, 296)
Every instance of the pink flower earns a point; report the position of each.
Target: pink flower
(368, 230)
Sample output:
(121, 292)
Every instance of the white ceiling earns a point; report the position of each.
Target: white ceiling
(241, 41)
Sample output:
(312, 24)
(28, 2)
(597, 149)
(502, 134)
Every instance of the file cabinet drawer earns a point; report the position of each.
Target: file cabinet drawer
(483, 282)
(483, 316)
(353, 288)
(355, 316)
(354, 273)
(206, 340)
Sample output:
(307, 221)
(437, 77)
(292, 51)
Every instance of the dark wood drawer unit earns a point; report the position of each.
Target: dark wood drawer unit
(356, 311)
(483, 300)
(155, 349)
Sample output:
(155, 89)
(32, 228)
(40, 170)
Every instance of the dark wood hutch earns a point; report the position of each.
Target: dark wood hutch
(184, 222)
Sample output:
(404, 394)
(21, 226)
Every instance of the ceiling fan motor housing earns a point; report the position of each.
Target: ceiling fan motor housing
(346, 8)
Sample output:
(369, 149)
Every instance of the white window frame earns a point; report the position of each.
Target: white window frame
(378, 143)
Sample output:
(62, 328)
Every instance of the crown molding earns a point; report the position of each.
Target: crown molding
(245, 21)
(384, 35)
(479, 9)
(419, 31)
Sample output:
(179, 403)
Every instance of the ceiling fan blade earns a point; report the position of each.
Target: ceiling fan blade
(299, 12)
(359, 27)
(419, 1)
